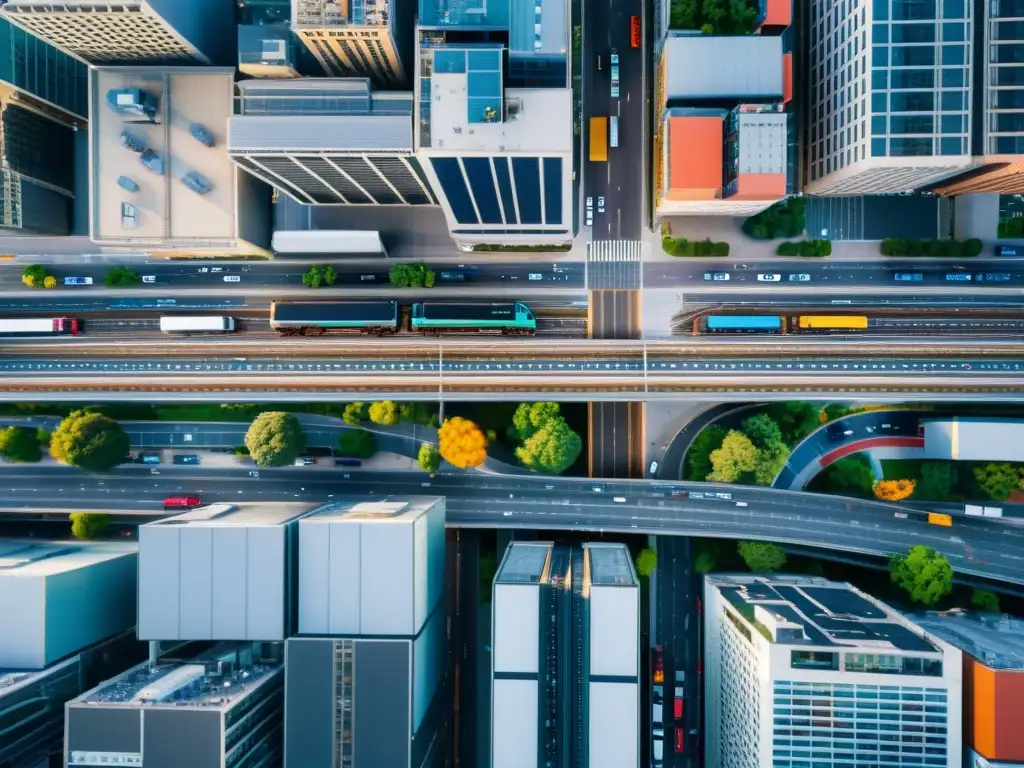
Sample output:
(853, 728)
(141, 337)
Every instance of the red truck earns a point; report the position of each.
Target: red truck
(659, 665)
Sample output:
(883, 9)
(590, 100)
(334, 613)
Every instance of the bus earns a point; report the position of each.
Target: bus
(598, 139)
(634, 31)
(196, 324)
(614, 132)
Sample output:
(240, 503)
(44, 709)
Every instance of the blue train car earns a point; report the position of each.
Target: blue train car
(743, 324)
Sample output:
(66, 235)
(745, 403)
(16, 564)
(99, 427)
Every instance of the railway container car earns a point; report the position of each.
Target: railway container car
(314, 318)
(743, 324)
(832, 322)
(197, 324)
(439, 317)
(39, 326)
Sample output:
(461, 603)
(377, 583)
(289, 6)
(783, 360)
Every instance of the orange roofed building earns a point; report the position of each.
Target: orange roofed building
(993, 680)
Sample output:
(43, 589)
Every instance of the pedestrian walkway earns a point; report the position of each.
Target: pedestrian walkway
(614, 250)
(615, 265)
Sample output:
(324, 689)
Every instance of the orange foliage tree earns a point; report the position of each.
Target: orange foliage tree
(894, 490)
(462, 443)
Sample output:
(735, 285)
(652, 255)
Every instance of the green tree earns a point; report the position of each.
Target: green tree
(89, 441)
(985, 600)
(646, 561)
(770, 461)
(121, 277)
(429, 458)
(20, 444)
(89, 525)
(850, 475)
(384, 413)
(923, 573)
(705, 561)
(736, 455)
(698, 457)
(43, 436)
(551, 449)
(531, 417)
(761, 556)
(937, 481)
(997, 481)
(275, 439)
(414, 413)
(762, 430)
(796, 418)
(412, 275)
(319, 275)
(357, 443)
(33, 275)
(355, 413)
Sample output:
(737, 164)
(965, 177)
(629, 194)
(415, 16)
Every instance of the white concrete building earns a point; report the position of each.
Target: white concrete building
(801, 670)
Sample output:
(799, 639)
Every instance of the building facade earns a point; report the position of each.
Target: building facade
(140, 32)
(803, 670)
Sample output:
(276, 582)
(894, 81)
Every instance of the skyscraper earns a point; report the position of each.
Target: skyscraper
(800, 670)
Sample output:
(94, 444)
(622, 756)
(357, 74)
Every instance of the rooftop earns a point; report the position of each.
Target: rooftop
(32, 559)
(337, 13)
(524, 563)
(538, 26)
(134, 205)
(818, 612)
(610, 565)
(391, 510)
(703, 67)
(249, 514)
(996, 640)
(469, 113)
(695, 149)
(475, 14)
(320, 133)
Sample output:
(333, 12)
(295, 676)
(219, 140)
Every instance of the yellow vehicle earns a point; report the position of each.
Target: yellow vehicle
(934, 518)
(598, 139)
(832, 322)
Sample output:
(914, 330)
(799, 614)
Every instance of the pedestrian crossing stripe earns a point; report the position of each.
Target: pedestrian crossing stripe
(614, 250)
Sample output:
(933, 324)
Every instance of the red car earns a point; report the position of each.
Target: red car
(181, 502)
(678, 706)
(679, 740)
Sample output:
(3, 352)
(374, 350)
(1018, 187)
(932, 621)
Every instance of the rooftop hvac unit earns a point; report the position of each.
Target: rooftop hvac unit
(132, 142)
(133, 102)
(153, 161)
(200, 134)
(196, 183)
(125, 183)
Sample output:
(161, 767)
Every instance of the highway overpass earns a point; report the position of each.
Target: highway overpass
(981, 548)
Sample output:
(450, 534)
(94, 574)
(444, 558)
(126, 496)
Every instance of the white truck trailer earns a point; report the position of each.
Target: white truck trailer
(196, 324)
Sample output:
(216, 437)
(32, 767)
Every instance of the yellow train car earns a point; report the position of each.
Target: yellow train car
(832, 322)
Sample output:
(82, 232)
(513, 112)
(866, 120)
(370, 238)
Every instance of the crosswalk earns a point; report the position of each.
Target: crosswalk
(603, 251)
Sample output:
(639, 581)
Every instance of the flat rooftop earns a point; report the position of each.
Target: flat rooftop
(610, 565)
(829, 613)
(702, 67)
(538, 26)
(471, 112)
(474, 14)
(390, 510)
(165, 210)
(996, 640)
(695, 149)
(21, 558)
(250, 514)
(524, 563)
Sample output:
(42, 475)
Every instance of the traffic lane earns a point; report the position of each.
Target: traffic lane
(997, 550)
(769, 297)
(628, 176)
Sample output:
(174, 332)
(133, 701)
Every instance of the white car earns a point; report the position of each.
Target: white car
(216, 269)
(535, 276)
(803, 277)
(149, 278)
(590, 203)
(77, 281)
(232, 279)
(600, 205)
(716, 276)
(769, 277)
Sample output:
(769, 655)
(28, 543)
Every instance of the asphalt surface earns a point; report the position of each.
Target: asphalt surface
(976, 547)
(606, 28)
(849, 298)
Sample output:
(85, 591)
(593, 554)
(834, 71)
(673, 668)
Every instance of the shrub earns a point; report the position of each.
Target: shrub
(898, 246)
(49, 282)
(319, 275)
(89, 525)
(121, 277)
(414, 275)
(808, 248)
(680, 246)
(784, 219)
(429, 458)
(357, 443)
(646, 562)
(33, 275)
(894, 490)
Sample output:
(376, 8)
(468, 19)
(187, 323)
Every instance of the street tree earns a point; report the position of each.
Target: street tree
(985, 600)
(275, 439)
(796, 419)
(531, 417)
(355, 413)
(33, 275)
(121, 277)
(89, 441)
(937, 481)
(736, 455)
(762, 430)
(49, 281)
(851, 474)
(412, 275)
(698, 457)
(770, 460)
(89, 525)
(761, 556)
(462, 443)
(319, 275)
(429, 458)
(385, 413)
(357, 443)
(704, 562)
(552, 449)
(923, 573)
(646, 562)
(20, 444)
(997, 481)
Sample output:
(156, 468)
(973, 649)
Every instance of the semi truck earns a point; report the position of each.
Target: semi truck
(327, 242)
(196, 324)
(39, 326)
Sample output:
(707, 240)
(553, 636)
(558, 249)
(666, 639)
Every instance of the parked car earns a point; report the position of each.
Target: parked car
(600, 205)
(535, 276)
(994, 277)
(149, 278)
(453, 276)
(148, 458)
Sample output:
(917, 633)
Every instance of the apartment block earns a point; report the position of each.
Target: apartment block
(802, 670)
(565, 663)
(329, 142)
(139, 32)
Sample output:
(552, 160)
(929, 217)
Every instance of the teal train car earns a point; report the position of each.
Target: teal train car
(435, 317)
(313, 318)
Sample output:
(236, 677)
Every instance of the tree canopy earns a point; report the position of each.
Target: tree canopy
(761, 556)
(851, 474)
(357, 443)
(997, 481)
(275, 439)
(355, 414)
(937, 481)
(985, 600)
(923, 573)
(552, 449)
(462, 443)
(429, 458)
(89, 525)
(121, 277)
(529, 418)
(89, 441)
(698, 457)
(736, 455)
(20, 444)
(646, 561)
(33, 275)
(384, 413)
(412, 275)
(894, 490)
(319, 275)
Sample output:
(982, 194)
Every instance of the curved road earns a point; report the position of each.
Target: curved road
(976, 547)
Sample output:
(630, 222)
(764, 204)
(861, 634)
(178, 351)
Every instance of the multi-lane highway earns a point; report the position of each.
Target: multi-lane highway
(975, 547)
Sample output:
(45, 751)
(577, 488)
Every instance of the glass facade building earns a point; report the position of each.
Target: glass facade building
(36, 68)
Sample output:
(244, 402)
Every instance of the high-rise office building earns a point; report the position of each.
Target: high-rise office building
(565, 664)
(993, 651)
(267, 50)
(367, 38)
(329, 141)
(800, 670)
(366, 675)
(910, 93)
(132, 31)
(220, 708)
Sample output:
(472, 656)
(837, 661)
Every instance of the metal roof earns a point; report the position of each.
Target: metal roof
(712, 67)
(610, 564)
(320, 133)
(996, 640)
(243, 515)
